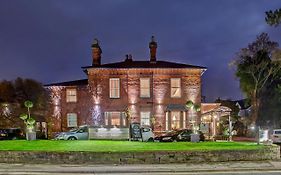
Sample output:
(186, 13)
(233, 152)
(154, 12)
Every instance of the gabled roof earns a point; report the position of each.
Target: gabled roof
(243, 104)
(145, 64)
(70, 83)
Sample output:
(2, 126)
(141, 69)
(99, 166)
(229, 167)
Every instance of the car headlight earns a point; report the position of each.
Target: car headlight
(166, 138)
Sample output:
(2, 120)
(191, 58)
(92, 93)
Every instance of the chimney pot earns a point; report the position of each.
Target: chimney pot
(153, 49)
(96, 53)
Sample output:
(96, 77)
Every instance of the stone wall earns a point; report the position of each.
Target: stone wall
(266, 153)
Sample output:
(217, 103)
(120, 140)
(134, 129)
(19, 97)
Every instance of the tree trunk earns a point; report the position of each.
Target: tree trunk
(255, 107)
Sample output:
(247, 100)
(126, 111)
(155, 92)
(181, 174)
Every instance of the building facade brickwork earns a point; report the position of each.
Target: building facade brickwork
(116, 90)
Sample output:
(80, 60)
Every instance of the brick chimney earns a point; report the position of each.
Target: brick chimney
(153, 49)
(96, 53)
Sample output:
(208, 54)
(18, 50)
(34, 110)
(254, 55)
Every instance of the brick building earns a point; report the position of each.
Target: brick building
(153, 92)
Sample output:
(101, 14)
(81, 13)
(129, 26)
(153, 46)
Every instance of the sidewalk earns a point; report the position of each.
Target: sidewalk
(134, 169)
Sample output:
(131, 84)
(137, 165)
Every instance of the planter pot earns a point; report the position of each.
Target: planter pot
(31, 136)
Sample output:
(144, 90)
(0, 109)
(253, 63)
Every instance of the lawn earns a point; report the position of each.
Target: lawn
(120, 146)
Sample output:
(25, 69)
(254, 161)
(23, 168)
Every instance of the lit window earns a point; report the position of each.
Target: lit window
(145, 118)
(71, 95)
(71, 120)
(175, 119)
(114, 119)
(145, 87)
(114, 88)
(175, 87)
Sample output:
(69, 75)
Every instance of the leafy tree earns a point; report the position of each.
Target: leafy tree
(255, 69)
(273, 18)
(13, 95)
(7, 92)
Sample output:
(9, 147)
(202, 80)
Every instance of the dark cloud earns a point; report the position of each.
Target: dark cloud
(50, 40)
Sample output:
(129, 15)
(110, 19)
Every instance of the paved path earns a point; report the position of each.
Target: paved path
(264, 167)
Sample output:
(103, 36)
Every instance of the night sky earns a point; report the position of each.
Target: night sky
(50, 40)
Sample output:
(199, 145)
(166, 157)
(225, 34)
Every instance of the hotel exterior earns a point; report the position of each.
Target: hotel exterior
(151, 92)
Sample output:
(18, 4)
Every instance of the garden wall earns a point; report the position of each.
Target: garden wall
(266, 153)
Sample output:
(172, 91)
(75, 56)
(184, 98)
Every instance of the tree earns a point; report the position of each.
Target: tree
(255, 69)
(7, 92)
(273, 18)
(13, 95)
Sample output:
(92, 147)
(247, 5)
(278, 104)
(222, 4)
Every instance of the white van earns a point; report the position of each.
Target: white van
(276, 136)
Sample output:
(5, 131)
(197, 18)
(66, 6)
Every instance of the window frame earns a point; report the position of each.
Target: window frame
(177, 121)
(171, 88)
(70, 96)
(146, 118)
(143, 90)
(71, 114)
(108, 119)
(111, 89)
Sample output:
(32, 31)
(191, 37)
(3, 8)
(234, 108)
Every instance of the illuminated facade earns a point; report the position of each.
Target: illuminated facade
(152, 92)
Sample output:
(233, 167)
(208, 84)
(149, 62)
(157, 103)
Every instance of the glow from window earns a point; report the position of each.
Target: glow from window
(114, 88)
(71, 95)
(145, 87)
(175, 87)
(71, 120)
(145, 118)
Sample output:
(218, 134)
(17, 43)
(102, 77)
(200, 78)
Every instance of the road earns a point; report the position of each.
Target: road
(219, 168)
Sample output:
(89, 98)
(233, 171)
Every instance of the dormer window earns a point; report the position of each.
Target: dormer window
(145, 87)
(114, 88)
(71, 95)
(175, 87)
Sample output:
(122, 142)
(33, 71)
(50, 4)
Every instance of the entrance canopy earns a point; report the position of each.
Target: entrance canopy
(176, 107)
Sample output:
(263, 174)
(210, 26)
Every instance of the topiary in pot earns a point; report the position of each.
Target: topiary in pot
(29, 122)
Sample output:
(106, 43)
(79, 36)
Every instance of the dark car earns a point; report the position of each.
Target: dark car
(3, 134)
(177, 136)
(11, 134)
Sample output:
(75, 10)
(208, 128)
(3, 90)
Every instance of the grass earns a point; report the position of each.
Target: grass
(120, 146)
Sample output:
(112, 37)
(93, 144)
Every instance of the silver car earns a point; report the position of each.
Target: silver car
(80, 133)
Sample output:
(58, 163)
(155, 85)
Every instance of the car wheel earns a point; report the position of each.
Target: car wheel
(72, 138)
(150, 139)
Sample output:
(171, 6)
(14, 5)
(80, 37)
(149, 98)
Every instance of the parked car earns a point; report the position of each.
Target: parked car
(80, 133)
(88, 132)
(11, 134)
(178, 135)
(3, 134)
(276, 136)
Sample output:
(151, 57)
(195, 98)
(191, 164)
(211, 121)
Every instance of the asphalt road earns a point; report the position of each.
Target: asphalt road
(219, 168)
(155, 173)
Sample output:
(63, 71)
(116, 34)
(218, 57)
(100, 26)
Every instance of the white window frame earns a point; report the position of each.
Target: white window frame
(112, 93)
(144, 90)
(175, 120)
(173, 87)
(71, 95)
(72, 120)
(108, 118)
(145, 118)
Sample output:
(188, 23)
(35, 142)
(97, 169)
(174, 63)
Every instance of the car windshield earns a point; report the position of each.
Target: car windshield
(74, 130)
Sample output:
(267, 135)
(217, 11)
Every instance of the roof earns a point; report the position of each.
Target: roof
(243, 104)
(70, 83)
(145, 64)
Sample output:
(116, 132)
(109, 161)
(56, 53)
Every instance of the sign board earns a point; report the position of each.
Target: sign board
(135, 130)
